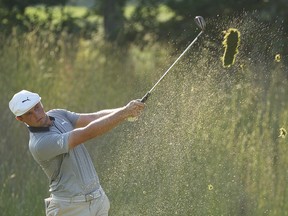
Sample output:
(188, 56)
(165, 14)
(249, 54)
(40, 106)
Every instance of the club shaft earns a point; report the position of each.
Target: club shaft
(175, 62)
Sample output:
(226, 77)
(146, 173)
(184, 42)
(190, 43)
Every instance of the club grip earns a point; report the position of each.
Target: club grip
(145, 97)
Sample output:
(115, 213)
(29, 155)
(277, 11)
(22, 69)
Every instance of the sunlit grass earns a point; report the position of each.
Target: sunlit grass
(210, 142)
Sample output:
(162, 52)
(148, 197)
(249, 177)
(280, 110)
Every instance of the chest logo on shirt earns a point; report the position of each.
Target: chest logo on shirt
(64, 122)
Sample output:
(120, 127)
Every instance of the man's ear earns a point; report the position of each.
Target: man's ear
(19, 118)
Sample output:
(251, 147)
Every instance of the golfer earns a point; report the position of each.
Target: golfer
(56, 143)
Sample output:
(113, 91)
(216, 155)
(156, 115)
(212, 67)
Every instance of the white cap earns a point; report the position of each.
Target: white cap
(23, 101)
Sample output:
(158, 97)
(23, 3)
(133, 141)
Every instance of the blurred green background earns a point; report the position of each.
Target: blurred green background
(209, 141)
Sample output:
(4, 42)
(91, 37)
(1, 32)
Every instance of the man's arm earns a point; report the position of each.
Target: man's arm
(85, 118)
(103, 122)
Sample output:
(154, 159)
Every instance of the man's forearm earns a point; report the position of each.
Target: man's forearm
(86, 118)
(97, 127)
(96, 124)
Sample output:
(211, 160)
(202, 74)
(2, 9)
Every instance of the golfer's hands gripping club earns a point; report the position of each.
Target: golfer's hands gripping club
(145, 97)
(134, 109)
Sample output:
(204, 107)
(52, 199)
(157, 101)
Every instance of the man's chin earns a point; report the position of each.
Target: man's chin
(43, 122)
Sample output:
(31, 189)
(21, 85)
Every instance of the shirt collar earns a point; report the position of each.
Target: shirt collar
(40, 129)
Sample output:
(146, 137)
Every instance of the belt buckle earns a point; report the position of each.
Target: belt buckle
(89, 197)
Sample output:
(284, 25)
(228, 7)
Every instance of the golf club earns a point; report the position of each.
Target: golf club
(201, 23)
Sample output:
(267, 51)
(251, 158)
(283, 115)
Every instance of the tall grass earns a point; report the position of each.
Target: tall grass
(207, 143)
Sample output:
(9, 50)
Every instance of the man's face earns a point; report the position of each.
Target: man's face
(35, 117)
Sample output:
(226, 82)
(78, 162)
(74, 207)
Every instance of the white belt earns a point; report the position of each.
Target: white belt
(81, 198)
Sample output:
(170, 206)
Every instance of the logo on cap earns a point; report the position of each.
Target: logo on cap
(26, 100)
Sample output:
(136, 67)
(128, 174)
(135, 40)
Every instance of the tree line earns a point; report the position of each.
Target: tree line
(117, 27)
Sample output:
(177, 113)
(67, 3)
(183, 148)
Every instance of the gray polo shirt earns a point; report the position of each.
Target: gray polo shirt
(70, 172)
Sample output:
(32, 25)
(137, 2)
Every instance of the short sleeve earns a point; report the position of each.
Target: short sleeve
(72, 117)
(50, 146)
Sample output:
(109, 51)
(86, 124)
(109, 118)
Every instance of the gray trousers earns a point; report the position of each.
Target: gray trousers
(96, 207)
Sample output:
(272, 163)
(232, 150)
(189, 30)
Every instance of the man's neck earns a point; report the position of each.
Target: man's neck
(43, 128)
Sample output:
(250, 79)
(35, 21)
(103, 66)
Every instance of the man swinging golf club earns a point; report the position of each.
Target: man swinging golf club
(56, 143)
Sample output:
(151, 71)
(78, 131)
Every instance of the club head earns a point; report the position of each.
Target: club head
(200, 22)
